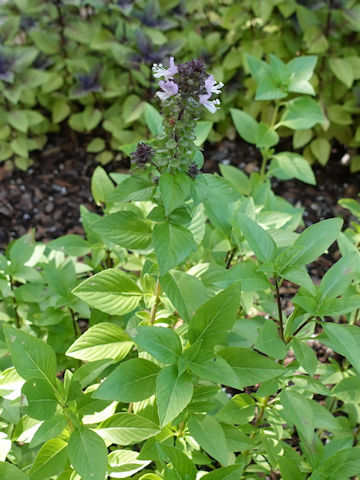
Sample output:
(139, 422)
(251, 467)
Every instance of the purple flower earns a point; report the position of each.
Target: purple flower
(211, 87)
(169, 88)
(167, 73)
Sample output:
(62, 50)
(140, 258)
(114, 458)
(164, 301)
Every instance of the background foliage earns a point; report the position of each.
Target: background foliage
(88, 65)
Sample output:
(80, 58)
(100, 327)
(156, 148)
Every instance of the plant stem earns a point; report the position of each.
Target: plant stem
(17, 318)
(265, 158)
(263, 405)
(75, 325)
(229, 257)
(300, 327)
(279, 310)
(157, 301)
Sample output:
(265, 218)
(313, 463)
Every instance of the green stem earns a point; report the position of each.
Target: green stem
(265, 158)
(17, 318)
(74, 322)
(278, 300)
(261, 414)
(157, 301)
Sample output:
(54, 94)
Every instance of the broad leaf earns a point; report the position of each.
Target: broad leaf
(40, 399)
(297, 411)
(173, 393)
(88, 454)
(127, 428)
(111, 291)
(302, 113)
(172, 244)
(250, 367)
(32, 357)
(162, 343)
(11, 472)
(259, 239)
(185, 292)
(133, 188)
(50, 460)
(103, 340)
(339, 276)
(125, 229)
(305, 355)
(210, 436)
(214, 318)
(49, 429)
(286, 165)
(344, 339)
(180, 463)
(174, 189)
(131, 381)
(310, 244)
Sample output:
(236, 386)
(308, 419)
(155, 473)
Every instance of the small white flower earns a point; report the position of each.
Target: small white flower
(211, 86)
(167, 73)
(209, 104)
(169, 88)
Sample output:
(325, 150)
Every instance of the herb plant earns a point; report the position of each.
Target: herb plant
(160, 346)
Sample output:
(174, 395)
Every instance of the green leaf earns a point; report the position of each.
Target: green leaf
(133, 188)
(125, 229)
(174, 189)
(18, 119)
(111, 291)
(103, 340)
(125, 462)
(310, 244)
(91, 117)
(101, 185)
(351, 204)
(60, 110)
(239, 410)
(132, 108)
(153, 120)
(40, 399)
(132, 381)
(20, 147)
(253, 132)
(32, 357)
(50, 460)
(343, 70)
(301, 70)
(321, 149)
(210, 436)
(343, 464)
(88, 454)
(297, 411)
(162, 343)
(339, 276)
(302, 113)
(236, 177)
(214, 318)
(348, 390)
(232, 472)
(259, 240)
(269, 342)
(305, 355)
(180, 463)
(46, 42)
(185, 292)
(172, 244)
(250, 367)
(344, 340)
(173, 393)
(289, 469)
(127, 428)
(286, 165)
(202, 131)
(49, 429)
(8, 471)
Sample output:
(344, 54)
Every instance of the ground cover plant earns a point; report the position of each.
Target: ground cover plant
(86, 66)
(158, 347)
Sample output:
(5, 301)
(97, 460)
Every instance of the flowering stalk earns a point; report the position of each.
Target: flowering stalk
(184, 90)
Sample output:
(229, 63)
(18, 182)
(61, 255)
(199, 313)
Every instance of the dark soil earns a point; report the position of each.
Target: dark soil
(47, 196)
